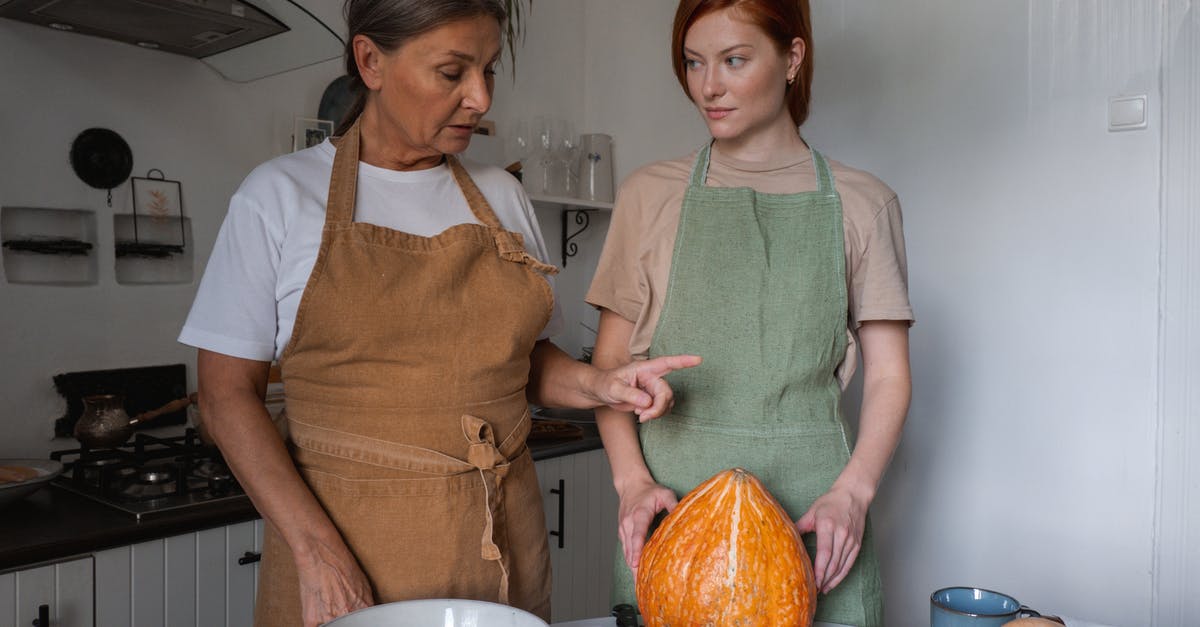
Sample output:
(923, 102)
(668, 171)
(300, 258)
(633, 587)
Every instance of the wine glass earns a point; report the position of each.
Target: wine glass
(569, 152)
(519, 143)
(563, 149)
(542, 166)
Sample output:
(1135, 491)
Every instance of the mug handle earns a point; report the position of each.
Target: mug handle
(1026, 611)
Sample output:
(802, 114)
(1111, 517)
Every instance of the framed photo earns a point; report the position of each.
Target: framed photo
(157, 215)
(310, 132)
(157, 198)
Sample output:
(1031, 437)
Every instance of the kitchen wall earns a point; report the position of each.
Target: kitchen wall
(1046, 450)
(178, 116)
(1177, 536)
(1029, 460)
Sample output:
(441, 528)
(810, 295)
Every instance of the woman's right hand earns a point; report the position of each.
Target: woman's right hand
(231, 393)
(640, 503)
(331, 585)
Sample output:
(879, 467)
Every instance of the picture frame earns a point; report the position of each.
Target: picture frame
(309, 132)
(157, 215)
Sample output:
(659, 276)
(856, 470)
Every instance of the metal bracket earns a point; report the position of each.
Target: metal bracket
(569, 248)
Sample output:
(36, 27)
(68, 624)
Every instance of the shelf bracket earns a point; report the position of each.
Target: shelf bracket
(569, 248)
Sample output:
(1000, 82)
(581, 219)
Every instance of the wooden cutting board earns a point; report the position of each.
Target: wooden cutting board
(543, 430)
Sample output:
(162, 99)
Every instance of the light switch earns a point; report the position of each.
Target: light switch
(1127, 113)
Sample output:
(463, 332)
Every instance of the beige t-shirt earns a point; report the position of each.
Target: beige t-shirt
(631, 279)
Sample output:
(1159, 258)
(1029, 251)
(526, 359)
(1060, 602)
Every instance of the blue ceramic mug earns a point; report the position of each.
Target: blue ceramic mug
(973, 607)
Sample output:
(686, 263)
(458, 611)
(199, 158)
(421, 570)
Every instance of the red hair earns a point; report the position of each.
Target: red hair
(781, 20)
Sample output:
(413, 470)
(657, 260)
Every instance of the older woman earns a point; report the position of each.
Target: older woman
(403, 293)
(772, 262)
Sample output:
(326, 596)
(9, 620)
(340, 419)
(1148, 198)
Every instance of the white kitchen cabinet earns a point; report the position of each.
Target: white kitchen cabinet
(190, 580)
(64, 588)
(581, 516)
(196, 580)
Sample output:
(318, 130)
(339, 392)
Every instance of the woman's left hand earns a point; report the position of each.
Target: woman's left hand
(639, 386)
(839, 519)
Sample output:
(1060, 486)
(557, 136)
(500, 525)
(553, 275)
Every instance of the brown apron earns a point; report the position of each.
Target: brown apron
(405, 380)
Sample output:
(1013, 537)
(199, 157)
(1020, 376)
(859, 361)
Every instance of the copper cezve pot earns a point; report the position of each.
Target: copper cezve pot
(105, 424)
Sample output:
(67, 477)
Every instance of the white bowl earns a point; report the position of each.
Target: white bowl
(47, 469)
(439, 613)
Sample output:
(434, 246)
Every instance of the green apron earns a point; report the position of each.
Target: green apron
(758, 288)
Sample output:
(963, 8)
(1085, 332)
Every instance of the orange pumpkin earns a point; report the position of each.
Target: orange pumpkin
(727, 555)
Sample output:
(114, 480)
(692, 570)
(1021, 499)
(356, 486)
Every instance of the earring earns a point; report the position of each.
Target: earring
(791, 79)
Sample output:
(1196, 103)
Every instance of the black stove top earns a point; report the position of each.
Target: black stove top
(150, 475)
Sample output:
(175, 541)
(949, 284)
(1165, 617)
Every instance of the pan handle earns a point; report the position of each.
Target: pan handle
(169, 408)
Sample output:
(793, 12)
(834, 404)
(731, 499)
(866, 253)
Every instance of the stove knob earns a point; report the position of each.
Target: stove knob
(220, 484)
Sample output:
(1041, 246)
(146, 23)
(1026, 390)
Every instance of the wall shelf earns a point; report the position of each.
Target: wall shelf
(580, 210)
(49, 246)
(567, 201)
(152, 251)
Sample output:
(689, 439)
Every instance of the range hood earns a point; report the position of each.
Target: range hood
(243, 41)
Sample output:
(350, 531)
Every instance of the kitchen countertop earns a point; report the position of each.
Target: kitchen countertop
(53, 523)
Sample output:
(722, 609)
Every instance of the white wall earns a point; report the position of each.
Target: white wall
(1029, 458)
(177, 115)
(1178, 536)
(1030, 461)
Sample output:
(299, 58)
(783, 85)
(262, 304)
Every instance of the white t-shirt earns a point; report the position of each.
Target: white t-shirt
(266, 248)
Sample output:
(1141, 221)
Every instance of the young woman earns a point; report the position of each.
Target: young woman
(776, 265)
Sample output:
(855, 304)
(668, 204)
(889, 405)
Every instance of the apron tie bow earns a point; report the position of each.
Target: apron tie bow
(492, 465)
(486, 456)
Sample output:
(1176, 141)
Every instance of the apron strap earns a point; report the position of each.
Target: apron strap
(493, 466)
(343, 182)
(700, 166)
(511, 246)
(396, 455)
(475, 199)
(824, 173)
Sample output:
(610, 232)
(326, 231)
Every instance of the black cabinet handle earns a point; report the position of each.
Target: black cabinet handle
(249, 557)
(43, 619)
(562, 500)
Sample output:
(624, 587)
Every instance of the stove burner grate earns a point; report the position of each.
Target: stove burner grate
(150, 474)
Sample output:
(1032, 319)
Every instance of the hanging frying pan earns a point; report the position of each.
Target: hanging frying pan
(337, 100)
(102, 159)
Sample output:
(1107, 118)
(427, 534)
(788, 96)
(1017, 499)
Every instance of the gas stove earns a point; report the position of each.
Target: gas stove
(150, 475)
